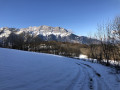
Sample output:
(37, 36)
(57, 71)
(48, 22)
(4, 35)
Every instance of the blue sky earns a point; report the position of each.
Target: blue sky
(81, 16)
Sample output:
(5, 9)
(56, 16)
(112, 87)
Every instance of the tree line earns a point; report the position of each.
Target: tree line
(27, 42)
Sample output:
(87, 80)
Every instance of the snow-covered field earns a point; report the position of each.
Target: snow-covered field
(21, 70)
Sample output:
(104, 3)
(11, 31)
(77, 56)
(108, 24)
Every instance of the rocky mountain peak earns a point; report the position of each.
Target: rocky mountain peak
(47, 33)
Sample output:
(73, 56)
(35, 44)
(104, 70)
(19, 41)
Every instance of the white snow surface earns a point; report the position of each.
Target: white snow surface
(83, 56)
(22, 70)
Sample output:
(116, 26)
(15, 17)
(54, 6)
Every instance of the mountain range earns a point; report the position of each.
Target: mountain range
(48, 33)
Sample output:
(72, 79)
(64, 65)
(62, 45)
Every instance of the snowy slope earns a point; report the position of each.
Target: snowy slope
(21, 70)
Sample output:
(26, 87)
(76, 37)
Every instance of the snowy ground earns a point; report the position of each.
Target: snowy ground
(85, 57)
(20, 70)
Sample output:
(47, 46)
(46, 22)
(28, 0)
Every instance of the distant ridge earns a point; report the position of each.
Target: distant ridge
(48, 33)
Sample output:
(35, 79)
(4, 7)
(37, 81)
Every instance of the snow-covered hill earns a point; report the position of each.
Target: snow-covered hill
(21, 70)
(48, 33)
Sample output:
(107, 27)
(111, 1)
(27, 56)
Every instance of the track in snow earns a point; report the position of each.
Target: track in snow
(88, 79)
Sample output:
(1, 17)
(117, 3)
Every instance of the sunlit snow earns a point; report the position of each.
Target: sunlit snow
(21, 70)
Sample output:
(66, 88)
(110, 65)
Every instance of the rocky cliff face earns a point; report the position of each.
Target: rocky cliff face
(48, 33)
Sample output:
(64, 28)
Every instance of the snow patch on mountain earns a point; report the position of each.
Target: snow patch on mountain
(46, 31)
(5, 32)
